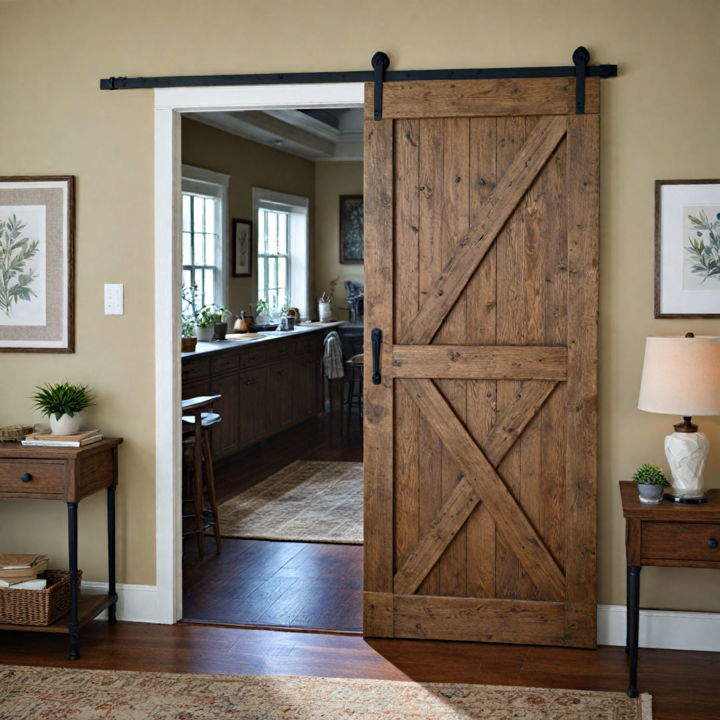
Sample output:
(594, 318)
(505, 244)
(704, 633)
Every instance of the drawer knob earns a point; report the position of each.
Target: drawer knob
(26, 477)
(712, 543)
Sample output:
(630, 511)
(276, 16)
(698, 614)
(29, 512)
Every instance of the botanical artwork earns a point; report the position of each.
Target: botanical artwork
(242, 243)
(352, 243)
(20, 266)
(687, 248)
(36, 273)
(702, 249)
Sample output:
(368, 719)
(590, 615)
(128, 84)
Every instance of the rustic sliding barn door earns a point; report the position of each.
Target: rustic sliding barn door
(481, 241)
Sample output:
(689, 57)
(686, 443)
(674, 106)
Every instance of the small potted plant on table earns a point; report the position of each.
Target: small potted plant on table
(651, 482)
(63, 404)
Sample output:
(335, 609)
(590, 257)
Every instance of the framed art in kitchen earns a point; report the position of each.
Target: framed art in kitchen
(242, 244)
(37, 226)
(352, 242)
(687, 249)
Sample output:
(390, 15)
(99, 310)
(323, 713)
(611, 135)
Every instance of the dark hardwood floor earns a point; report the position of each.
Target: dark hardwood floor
(684, 685)
(279, 584)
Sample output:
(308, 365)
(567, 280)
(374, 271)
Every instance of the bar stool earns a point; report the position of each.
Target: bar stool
(355, 367)
(197, 421)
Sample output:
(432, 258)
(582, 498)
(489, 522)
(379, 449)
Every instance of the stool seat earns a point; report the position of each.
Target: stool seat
(200, 402)
(358, 359)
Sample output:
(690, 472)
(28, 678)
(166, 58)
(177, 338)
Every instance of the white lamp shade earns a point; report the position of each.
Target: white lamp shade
(681, 376)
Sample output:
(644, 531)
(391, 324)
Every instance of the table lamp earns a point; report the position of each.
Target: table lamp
(681, 376)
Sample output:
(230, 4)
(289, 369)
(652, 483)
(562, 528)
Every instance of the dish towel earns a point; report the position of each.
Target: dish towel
(332, 356)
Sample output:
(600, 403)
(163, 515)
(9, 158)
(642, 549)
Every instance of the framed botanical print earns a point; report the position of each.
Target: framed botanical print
(687, 249)
(242, 248)
(352, 243)
(37, 226)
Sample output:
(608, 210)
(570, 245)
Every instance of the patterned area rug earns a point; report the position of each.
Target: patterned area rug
(307, 501)
(28, 693)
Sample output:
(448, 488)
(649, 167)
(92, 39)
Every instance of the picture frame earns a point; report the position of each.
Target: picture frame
(37, 247)
(687, 248)
(352, 245)
(241, 248)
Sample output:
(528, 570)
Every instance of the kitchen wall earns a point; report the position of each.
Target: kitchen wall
(333, 179)
(249, 165)
(659, 120)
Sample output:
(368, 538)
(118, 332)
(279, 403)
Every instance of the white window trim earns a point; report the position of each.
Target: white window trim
(202, 181)
(299, 260)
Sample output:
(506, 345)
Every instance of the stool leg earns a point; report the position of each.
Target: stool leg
(212, 498)
(198, 481)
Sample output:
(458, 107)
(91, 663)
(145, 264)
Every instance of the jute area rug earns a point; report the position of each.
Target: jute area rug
(307, 501)
(28, 693)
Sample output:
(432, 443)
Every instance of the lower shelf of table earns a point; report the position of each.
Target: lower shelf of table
(89, 607)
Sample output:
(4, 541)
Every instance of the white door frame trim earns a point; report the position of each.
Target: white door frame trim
(170, 103)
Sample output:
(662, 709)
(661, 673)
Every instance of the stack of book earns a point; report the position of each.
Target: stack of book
(78, 439)
(20, 572)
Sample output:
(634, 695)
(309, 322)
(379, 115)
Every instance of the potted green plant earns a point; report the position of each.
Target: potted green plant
(63, 404)
(206, 320)
(651, 482)
(188, 312)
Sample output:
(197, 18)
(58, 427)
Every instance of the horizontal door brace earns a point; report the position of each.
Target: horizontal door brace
(137, 83)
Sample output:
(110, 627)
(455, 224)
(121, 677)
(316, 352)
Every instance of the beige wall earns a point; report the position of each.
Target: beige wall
(659, 121)
(249, 165)
(333, 179)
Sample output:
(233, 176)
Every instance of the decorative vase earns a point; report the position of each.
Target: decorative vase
(204, 334)
(324, 312)
(650, 494)
(188, 344)
(66, 425)
(219, 331)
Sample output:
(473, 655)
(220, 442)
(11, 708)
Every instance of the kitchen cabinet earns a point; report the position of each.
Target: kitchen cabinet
(266, 386)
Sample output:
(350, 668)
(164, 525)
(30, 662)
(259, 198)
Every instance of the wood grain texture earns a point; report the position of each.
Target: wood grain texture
(487, 362)
(484, 98)
(582, 190)
(471, 249)
(509, 516)
(378, 400)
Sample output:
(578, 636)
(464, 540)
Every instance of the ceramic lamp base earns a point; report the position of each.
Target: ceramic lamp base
(686, 453)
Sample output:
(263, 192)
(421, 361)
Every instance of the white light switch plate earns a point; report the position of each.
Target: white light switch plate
(114, 299)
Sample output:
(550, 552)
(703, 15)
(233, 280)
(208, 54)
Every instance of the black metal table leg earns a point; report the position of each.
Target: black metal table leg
(74, 627)
(633, 622)
(112, 590)
(627, 610)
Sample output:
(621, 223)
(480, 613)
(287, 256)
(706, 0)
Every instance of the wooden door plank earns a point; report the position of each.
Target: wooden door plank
(455, 206)
(481, 330)
(431, 152)
(487, 620)
(488, 362)
(509, 516)
(583, 145)
(407, 456)
(464, 499)
(472, 247)
(483, 98)
(378, 402)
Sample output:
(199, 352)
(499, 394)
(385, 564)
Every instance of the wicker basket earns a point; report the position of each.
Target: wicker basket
(38, 607)
(14, 433)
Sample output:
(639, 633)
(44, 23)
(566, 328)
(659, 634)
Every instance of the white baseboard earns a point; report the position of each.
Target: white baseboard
(665, 629)
(136, 603)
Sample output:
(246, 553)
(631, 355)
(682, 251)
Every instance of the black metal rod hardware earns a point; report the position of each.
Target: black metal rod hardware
(581, 57)
(376, 337)
(137, 83)
(380, 62)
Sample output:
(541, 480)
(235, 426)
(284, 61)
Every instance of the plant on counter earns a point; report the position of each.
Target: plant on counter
(329, 294)
(209, 315)
(189, 309)
(648, 474)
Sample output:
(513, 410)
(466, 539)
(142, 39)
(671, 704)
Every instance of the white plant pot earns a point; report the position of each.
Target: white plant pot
(66, 425)
(325, 311)
(204, 334)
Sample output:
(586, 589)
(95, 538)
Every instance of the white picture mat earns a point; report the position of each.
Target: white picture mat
(674, 299)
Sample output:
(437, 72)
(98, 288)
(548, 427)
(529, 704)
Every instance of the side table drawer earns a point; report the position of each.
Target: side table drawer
(32, 477)
(681, 541)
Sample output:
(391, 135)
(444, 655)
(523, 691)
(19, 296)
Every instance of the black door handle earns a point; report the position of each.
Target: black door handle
(376, 337)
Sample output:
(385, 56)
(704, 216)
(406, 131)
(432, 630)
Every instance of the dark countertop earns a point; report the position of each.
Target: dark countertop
(204, 348)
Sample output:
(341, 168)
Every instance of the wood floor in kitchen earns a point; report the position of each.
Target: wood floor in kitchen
(265, 583)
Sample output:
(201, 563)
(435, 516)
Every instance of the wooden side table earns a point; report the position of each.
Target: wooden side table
(669, 535)
(67, 474)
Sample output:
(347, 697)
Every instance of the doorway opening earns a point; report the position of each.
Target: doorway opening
(292, 427)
